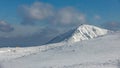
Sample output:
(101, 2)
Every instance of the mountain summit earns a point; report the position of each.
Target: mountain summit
(83, 32)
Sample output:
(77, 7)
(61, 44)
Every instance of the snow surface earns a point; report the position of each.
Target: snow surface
(101, 52)
(83, 32)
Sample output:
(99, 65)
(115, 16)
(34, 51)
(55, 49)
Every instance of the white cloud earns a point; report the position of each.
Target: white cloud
(69, 15)
(42, 11)
(37, 11)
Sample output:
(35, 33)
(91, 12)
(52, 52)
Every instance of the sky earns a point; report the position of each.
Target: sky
(30, 17)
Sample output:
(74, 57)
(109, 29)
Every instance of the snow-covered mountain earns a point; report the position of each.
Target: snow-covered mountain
(83, 32)
(102, 52)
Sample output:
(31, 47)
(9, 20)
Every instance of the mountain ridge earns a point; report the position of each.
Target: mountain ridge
(83, 32)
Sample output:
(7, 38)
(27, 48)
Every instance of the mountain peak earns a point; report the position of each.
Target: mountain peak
(83, 32)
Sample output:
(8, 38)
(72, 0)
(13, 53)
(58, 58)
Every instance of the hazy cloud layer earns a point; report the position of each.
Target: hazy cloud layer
(42, 11)
(112, 25)
(30, 39)
(20, 30)
(5, 27)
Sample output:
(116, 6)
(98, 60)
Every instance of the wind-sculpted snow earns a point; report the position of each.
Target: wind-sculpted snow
(83, 32)
(12, 53)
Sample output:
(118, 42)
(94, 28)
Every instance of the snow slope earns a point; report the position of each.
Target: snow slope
(102, 52)
(83, 32)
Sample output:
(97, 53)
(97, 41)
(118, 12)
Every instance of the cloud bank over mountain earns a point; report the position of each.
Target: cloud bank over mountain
(39, 11)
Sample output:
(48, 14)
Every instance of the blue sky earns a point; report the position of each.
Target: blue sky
(109, 10)
(48, 18)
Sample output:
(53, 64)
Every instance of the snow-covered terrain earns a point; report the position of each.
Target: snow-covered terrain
(100, 52)
(83, 32)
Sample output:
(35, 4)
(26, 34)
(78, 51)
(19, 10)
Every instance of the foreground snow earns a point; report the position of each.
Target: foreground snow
(102, 52)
